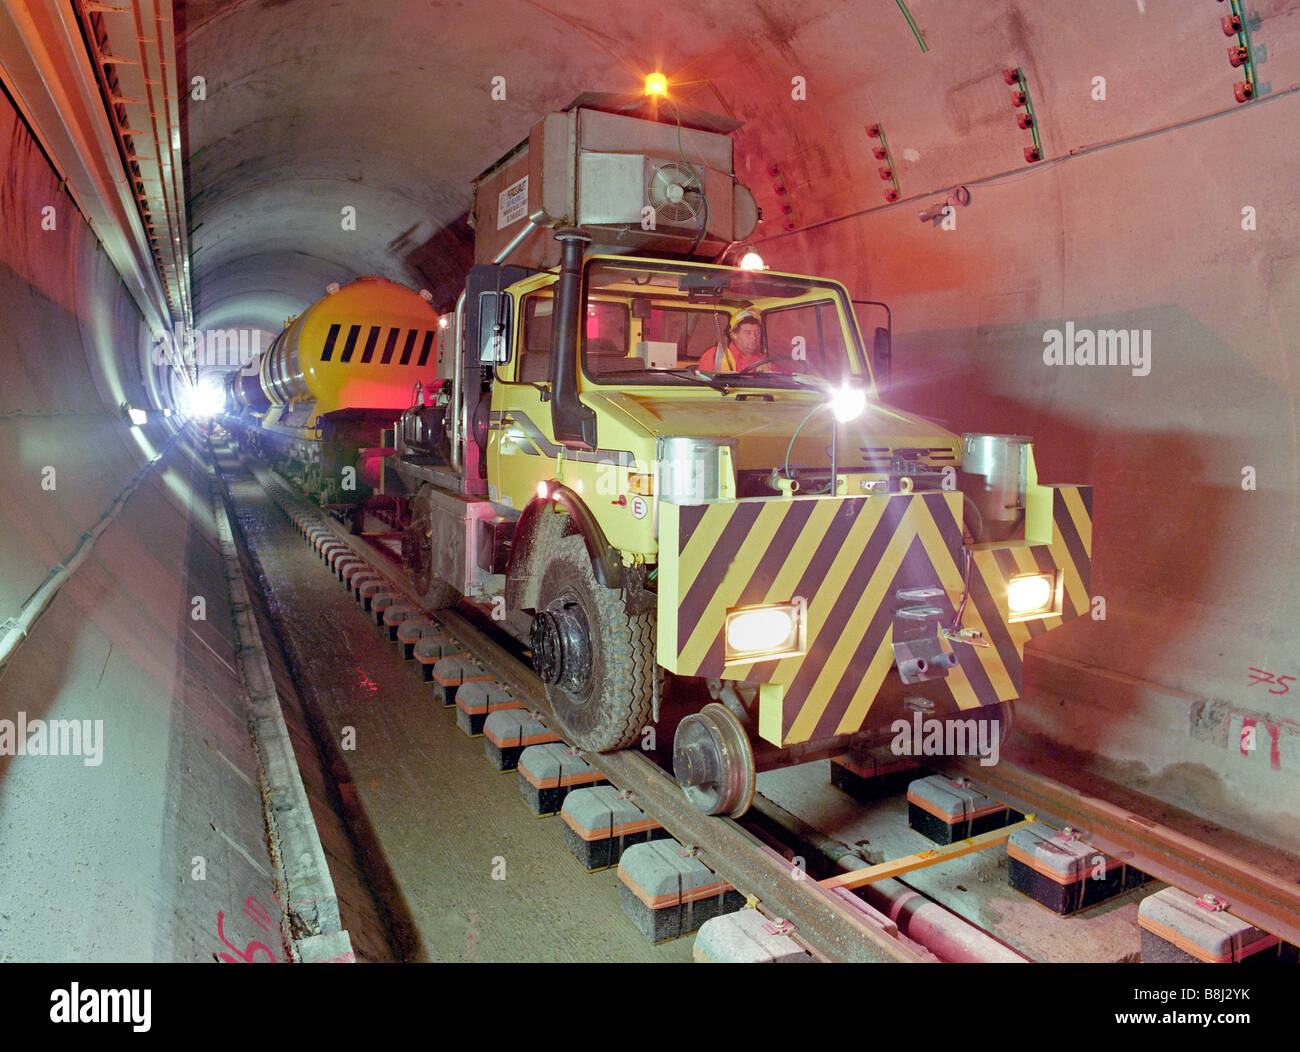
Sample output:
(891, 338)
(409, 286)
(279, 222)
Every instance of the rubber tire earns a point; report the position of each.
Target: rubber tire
(435, 593)
(618, 702)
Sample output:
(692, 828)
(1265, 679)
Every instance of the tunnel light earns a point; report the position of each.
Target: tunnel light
(656, 84)
(847, 403)
(206, 398)
(1031, 595)
(751, 260)
(138, 417)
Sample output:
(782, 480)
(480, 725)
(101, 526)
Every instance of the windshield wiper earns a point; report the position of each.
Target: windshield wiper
(764, 379)
(686, 374)
(694, 374)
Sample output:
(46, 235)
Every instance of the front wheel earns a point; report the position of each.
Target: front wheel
(596, 660)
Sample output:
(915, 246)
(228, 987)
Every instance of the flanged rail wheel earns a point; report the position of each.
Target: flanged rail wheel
(595, 659)
(713, 762)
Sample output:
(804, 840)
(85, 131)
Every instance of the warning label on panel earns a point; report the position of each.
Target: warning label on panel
(512, 203)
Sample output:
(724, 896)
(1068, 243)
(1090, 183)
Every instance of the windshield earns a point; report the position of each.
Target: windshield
(661, 322)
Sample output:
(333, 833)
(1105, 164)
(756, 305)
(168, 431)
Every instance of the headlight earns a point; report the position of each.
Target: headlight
(847, 403)
(764, 632)
(1032, 595)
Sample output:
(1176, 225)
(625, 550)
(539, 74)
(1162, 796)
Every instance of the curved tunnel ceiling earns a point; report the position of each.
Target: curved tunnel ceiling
(388, 107)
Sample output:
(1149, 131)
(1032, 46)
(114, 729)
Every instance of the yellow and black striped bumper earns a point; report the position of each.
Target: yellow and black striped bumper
(846, 559)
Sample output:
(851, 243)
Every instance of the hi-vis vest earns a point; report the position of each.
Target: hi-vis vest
(730, 360)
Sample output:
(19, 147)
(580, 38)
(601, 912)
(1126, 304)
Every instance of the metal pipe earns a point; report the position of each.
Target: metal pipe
(457, 427)
(573, 423)
(528, 228)
(946, 935)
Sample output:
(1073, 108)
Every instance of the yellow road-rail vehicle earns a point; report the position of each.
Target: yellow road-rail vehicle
(582, 448)
(777, 531)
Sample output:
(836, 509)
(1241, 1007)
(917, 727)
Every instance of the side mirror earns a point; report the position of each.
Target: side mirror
(493, 328)
(882, 357)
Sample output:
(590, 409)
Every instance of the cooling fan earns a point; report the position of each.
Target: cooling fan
(674, 192)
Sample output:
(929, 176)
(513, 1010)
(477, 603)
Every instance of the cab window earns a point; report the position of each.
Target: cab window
(694, 331)
(805, 339)
(604, 337)
(535, 349)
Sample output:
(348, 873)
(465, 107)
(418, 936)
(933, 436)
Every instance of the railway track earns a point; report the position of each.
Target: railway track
(828, 925)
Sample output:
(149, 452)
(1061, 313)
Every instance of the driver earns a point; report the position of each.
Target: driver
(742, 350)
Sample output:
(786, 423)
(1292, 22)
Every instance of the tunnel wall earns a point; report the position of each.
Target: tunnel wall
(130, 849)
(69, 329)
(1194, 464)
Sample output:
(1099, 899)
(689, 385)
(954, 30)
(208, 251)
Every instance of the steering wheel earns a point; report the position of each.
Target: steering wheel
(765, 360)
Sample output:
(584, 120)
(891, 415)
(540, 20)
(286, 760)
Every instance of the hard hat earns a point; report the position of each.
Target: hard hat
(744, 316)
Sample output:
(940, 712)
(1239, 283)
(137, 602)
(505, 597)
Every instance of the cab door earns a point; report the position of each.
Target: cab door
(521, 444)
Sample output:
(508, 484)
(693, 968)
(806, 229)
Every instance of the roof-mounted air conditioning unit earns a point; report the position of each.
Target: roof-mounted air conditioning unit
(636, 185)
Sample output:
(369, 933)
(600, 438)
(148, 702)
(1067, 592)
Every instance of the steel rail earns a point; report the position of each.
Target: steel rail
(828, 925)
(1264, 899)
(830, 929)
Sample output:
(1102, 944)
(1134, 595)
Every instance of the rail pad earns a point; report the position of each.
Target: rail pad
(450, 672)
(1064, 873)
(747, 937)
(548, 773)
(476, 699)
(1178, 928)
(668, 892)
(600, 823)
(872, 775)
(380, 603)
(946, 811)
(431, 648)
(395, 615)
(507, 733)
(365, 589)
(412, 630)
